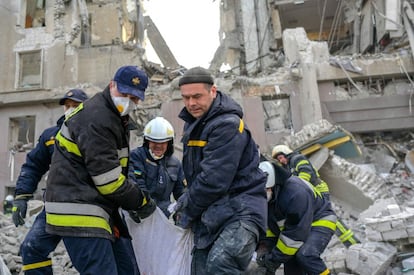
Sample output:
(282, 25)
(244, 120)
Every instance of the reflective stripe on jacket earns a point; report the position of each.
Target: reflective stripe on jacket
(220, 162)
(294, 213)
(87, 181)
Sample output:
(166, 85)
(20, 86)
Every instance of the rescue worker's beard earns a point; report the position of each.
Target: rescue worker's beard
(154, 156)
(124, 105)
(269, 194)
(68, 112)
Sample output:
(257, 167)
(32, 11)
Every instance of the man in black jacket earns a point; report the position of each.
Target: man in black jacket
(88, 182)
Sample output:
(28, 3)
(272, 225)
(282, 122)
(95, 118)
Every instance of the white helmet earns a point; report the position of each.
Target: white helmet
(281, 149)
(158, 130)
(268, 168)
(9, 198)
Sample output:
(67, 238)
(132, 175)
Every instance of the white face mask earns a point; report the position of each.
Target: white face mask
(154, 156)
(269, 194)
(124, 105)
(68, 112)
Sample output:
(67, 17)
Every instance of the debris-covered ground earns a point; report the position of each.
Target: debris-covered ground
(380, 178)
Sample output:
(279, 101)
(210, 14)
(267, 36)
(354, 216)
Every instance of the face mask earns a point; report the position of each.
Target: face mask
(68, 112)
(154, 156)
(269, 194)
(124, 105)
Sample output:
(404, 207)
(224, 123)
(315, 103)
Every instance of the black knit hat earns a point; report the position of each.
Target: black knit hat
(196, 75)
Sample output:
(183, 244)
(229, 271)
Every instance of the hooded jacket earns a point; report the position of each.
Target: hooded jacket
(220, 162)
(87, 181)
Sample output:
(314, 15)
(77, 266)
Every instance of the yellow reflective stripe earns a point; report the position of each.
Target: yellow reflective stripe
(305, 176)
(325, 223)
(144, 201)
(50, 142)
(326, 272)
(197, 143)
(37, 265)
(269, 233)
(124, 162)
(70, 146)
(347, 236)
(77, 221)
(302, 162)
(241, 126)
(287, 250)
(14, 208)
(111, 187)
(322, 187)
(77, 109)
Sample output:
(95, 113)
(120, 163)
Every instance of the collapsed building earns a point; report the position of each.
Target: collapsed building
(297, 77)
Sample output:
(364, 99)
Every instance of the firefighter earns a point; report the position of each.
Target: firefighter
(88, 179)
(153, 166)
(300, 224)
(38, 244)
(300, 166)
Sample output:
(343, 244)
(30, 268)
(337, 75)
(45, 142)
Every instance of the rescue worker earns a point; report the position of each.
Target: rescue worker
(153, 166)
(300, 224)
(38, 244)
(300, 166)
(8, 204)
(87, 183)
(225, 202)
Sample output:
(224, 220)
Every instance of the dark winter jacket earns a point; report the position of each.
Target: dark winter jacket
(300, 166)
(220, 162)
(292, 214)
(37, 162)
(87, 181)
(160, 178)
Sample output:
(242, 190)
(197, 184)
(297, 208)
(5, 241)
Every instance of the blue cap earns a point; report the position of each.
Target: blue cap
(131, 80)
(77, 95)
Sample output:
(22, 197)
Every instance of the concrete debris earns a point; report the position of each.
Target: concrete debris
(376, 206)
(11, 238)
(370, 258)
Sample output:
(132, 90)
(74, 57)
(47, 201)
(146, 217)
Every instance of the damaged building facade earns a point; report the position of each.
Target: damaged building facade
(49, 47)
(298, 67)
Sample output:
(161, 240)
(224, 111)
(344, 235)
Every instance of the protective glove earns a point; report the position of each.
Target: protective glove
(145, 210)
(266, 260)
(19, 211)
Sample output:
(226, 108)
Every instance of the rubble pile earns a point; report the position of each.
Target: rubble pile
(372, 194)
(11, 238)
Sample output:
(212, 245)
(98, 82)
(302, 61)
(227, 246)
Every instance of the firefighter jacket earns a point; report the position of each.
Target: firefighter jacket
(37, 162)
(221, 165)
(87, 181)
(160, 178)
(300, 166)
(292, 214)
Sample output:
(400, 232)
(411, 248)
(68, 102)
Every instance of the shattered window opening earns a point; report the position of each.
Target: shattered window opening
(30, 69)
(35, 14)
(21, 132)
